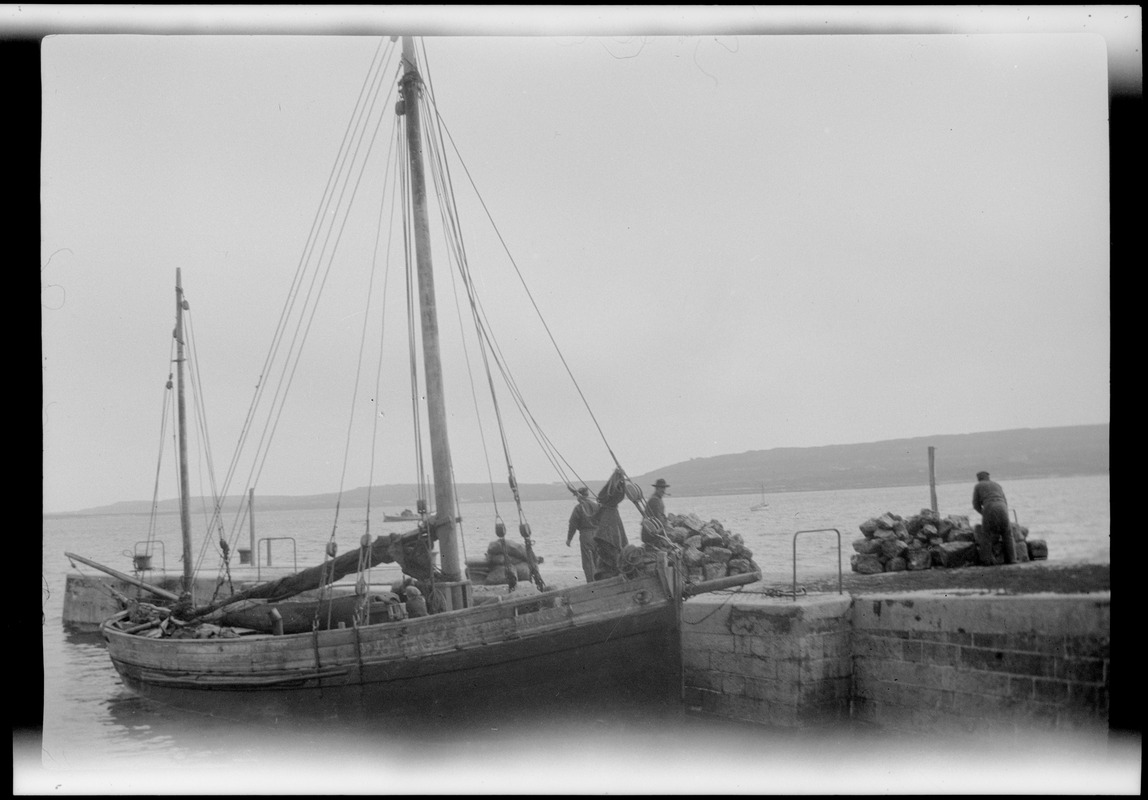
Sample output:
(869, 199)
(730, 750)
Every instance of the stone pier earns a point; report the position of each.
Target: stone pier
(913, 662)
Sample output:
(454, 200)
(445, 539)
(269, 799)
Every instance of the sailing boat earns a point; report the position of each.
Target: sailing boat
(619, 632)
(762, 505)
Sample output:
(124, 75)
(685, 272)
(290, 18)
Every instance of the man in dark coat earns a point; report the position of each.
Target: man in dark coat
(655, 505)
(584, 522)
(610, 536)
(989, 501)
(655, 525)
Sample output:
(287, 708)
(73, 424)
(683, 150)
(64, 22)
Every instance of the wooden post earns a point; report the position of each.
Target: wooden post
(933, 480)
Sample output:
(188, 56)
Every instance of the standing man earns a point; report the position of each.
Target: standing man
(657, 506)
(610, 537)
(584, 521)
(655, 524)
(989, 501)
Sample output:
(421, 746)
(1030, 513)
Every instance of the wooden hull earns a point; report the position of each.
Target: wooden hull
(617, 636)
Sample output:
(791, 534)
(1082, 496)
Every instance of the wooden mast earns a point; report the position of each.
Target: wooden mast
(446, 529)
(184, 511)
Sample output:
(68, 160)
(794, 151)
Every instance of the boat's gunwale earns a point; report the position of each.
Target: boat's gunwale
(412, 624)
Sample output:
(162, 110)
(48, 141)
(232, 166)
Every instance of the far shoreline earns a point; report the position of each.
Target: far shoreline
(314, 503)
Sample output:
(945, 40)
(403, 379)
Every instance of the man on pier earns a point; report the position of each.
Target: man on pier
(989, 501)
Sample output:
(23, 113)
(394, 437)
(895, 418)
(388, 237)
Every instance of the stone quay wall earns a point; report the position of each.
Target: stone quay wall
(998, 664)
(919, 662)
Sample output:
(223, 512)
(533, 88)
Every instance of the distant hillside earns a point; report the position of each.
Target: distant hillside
(1011, 454)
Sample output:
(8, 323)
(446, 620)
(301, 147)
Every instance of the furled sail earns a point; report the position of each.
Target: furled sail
(411, 551)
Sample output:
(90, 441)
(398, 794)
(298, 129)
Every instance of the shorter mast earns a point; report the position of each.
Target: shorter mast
(184, 492)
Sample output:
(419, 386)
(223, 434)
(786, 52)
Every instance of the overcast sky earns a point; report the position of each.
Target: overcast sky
(739, 242)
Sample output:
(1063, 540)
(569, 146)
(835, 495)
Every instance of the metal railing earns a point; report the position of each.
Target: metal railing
(269, 540)
(839, 574)
(141, 562)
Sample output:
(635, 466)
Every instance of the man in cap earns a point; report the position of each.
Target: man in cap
(989, 501)
(584, 521)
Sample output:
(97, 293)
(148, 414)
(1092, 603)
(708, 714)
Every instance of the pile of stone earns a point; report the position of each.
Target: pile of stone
(891, 543)
(709, 550)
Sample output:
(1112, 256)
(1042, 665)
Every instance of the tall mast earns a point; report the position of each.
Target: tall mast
(184, 511)
(445, 527)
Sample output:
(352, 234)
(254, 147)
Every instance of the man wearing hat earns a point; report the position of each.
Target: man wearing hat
(584, 521)
(989, 501)
(655, 505)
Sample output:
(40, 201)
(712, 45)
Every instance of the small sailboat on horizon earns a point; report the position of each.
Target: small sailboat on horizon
(762, 505)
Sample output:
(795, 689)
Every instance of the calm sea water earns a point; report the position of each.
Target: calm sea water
(99, 737)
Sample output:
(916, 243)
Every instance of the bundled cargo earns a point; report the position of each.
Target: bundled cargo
(502, 557)
(708, 549)
(891, 543)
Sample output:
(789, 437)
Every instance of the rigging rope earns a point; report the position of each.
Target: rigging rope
(448, 211)
(441, 169)
(522, 280)
(382, 329)
(153, 516)
(412, 315)
(331, 206)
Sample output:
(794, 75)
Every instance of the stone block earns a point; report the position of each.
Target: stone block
(919, 558)
(959, 521)
(877, 647)
(1050, 691)
(1014, 663)
(770, 690)
(866, 564)
(741, 707)
(733, 684)
(719, 555)
(962, 535)
(732, 663)
(695, 659)
(887, 521)
(702, 679)
(893, 548)
(714, 571)
(895, 565)
(1037, 549)
(954, 554)
(766, 620)
(706, 614)
(1080, 670)
(740, 566)
(710, 642)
